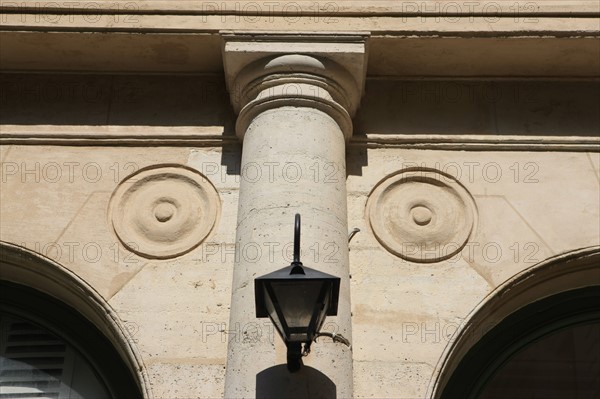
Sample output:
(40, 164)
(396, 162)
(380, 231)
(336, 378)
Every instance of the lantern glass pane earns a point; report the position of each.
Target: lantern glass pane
(323, 311)
(297, 300)
(272, 313)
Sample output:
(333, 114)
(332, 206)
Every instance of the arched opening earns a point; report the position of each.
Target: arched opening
(59, 338)
(537, 335)
(548, 349)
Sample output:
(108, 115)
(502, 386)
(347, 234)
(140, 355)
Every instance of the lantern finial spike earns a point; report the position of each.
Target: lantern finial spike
(297, 269)
(297, 240)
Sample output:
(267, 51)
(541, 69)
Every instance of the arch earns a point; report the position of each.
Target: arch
(24, 271)
(568, 272)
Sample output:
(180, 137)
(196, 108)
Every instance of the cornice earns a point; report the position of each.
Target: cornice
(145, 136)
(447, 25)
(323, 9)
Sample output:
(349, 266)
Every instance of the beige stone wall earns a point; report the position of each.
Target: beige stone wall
(56, 204)
(531, 201)
(404, 313)
(530, 206)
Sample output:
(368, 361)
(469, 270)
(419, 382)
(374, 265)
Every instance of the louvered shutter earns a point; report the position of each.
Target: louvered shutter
(35, 363)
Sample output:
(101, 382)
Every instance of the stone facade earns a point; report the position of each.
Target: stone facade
(147, 179)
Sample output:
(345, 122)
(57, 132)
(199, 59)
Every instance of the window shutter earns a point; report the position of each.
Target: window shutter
(33, 362)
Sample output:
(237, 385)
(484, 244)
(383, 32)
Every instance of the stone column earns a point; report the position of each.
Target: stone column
(294, 119)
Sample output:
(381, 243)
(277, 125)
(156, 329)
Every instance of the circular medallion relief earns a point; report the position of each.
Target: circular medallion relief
(421, 215)
(164, 211)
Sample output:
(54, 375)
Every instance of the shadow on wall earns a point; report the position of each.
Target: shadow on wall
(278, 382)
(479, 107)
(465, 107)
(118, 100)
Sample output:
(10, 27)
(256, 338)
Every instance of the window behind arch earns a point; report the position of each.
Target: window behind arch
(49, 350)
(547, 349)
(563, 364)
(35, 362)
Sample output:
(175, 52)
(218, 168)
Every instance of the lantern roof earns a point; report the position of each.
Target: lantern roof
(301, 274)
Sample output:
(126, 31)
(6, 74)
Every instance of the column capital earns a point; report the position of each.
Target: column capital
(266, 70)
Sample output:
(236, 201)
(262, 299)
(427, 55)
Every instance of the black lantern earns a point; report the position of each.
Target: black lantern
(297, 299)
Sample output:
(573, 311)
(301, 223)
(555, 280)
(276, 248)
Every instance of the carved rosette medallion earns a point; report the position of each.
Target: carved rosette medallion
(163, 212)
(421, 215)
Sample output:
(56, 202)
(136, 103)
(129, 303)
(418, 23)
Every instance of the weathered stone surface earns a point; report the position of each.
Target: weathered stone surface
(508, 109)
(409, 312)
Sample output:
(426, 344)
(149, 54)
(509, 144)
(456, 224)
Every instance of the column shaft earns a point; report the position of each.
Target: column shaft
(293, 161)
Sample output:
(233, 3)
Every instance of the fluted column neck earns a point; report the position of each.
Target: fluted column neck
(295, 80)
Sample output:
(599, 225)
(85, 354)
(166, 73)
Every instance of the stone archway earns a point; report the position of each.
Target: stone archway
(22, 267)
(569, 272)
